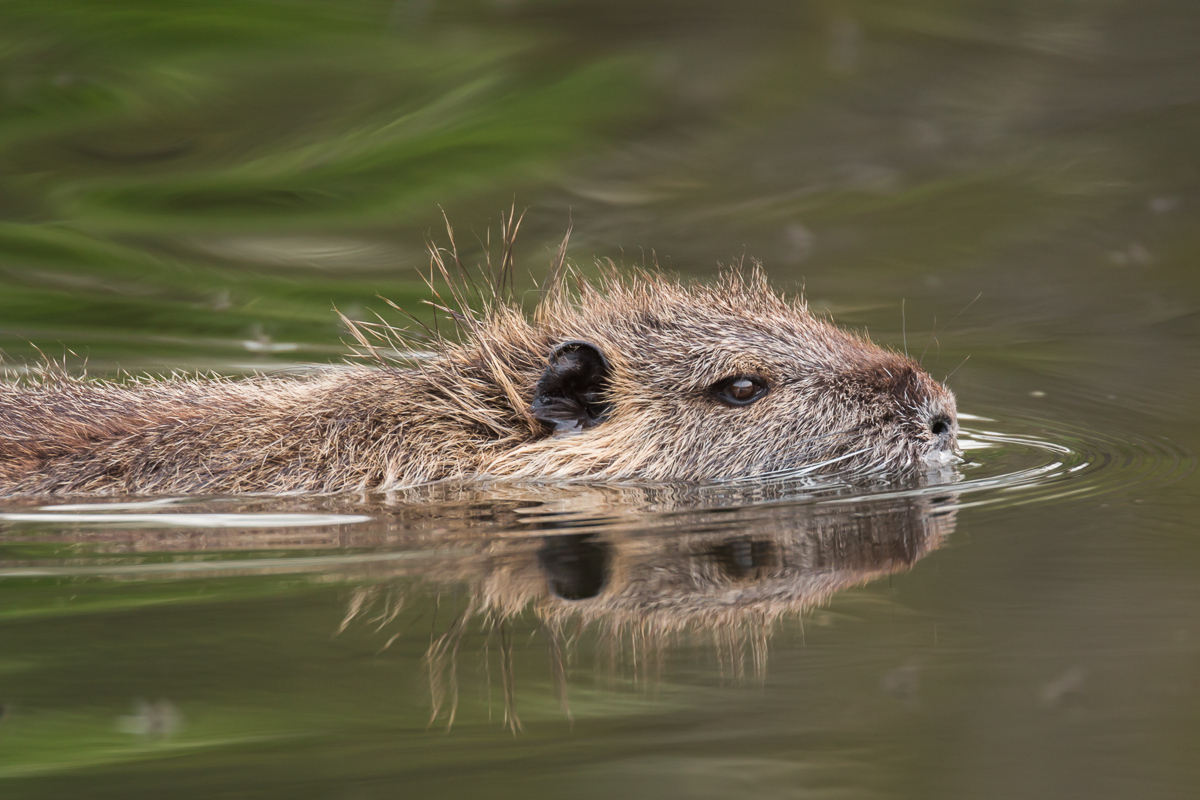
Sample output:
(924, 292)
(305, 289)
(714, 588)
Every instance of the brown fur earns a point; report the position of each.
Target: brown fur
(837, 403)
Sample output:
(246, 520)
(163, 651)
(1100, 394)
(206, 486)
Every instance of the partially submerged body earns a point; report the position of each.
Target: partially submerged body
(633, 378)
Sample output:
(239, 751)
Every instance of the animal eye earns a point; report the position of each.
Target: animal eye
(740, 390)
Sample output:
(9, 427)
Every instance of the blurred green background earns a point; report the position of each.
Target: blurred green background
(177, 182)
(196, 185)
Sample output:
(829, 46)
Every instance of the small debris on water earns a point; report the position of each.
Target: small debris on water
(904, 682)
(1063, 690)
(1134, 255)
(797, 243)
(1163, 204)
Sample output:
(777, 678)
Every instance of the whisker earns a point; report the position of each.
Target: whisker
(938, 331)
(790, 471)
(956, 369)
(809, 469)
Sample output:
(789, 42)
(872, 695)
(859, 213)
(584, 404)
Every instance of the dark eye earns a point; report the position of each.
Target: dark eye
(740, 390)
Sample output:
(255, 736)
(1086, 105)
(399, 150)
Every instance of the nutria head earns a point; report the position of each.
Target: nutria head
(643, 377)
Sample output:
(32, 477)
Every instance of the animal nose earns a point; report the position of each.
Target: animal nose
(945, 446)
(941, 425)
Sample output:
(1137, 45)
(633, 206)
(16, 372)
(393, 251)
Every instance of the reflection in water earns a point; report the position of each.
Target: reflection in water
(624, 575)
(576, 565)
(191, 186)
(636, 590)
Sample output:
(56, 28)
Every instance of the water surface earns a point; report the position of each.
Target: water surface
(1006, 190)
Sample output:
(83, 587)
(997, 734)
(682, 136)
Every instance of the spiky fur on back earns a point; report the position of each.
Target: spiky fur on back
(836, 402)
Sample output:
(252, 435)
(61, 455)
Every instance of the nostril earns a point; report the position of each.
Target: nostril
(939, 425)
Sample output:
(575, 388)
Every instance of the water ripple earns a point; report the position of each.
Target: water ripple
(1060, 460)
(1005, 463)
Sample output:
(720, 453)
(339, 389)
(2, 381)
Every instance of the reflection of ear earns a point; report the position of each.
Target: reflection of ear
(576, 565)
(570, 394)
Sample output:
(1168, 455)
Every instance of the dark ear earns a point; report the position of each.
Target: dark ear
(570, 394)
(576, 565)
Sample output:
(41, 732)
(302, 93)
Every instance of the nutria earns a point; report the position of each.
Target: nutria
(633, 376)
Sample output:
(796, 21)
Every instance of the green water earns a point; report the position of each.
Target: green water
(1011, 189)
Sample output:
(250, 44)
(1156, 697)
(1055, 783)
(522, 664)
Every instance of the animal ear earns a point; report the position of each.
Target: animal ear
(570, 394)
(576, 565)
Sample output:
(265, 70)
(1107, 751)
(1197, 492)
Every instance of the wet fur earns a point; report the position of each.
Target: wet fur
(836, 403)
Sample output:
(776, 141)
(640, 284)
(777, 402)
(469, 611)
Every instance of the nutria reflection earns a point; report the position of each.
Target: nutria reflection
(621, 575)
(634, 593)
(576, 565)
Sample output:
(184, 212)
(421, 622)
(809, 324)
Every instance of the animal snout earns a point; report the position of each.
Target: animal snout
(943, 425)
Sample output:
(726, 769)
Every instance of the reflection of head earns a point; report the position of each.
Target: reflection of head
(635, 568)
(772, 562)
(640, 590)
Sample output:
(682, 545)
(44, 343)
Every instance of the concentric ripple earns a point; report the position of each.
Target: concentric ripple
(1059, 460)
(1005, 463)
